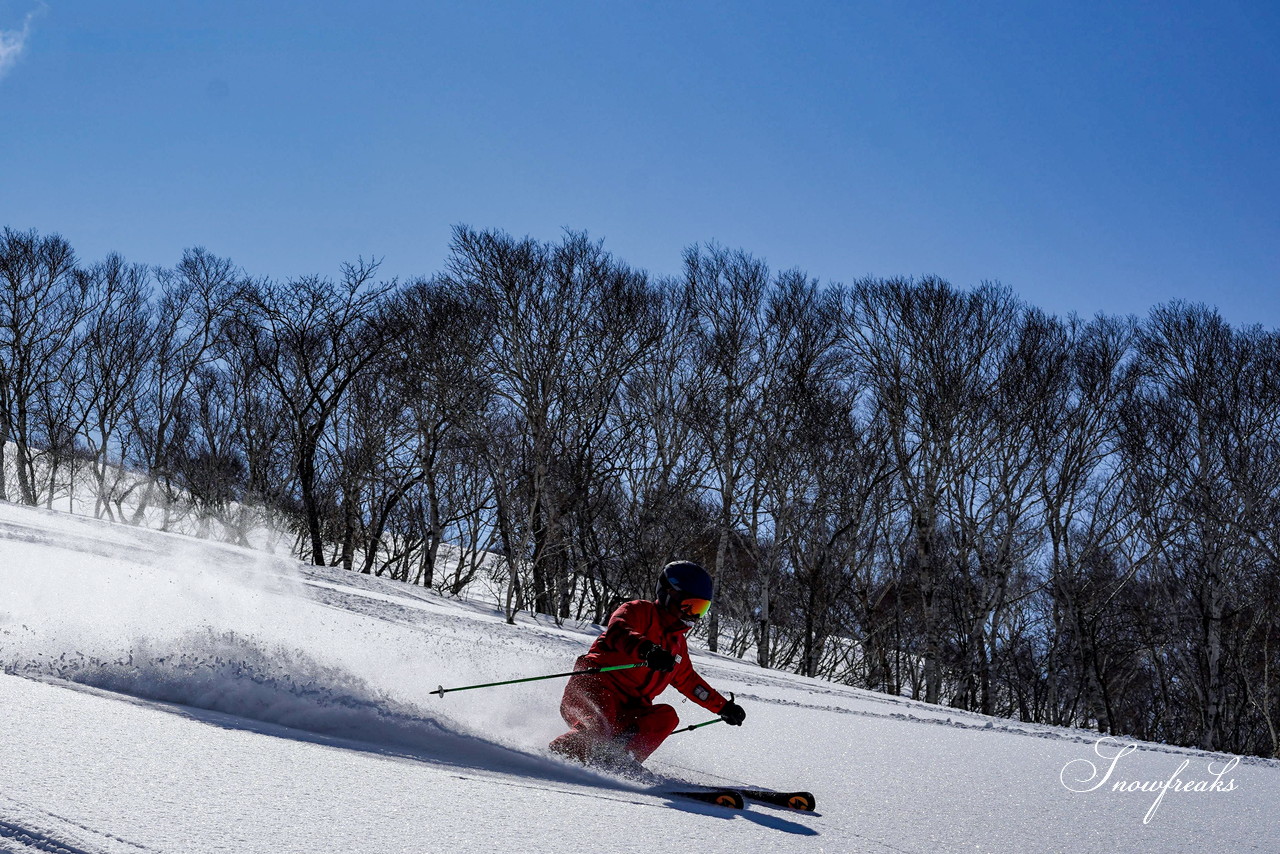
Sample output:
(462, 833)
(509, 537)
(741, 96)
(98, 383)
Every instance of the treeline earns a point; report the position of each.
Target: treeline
(898, 484)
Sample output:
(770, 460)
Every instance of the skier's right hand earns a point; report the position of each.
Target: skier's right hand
(657, 658)
(732, 713)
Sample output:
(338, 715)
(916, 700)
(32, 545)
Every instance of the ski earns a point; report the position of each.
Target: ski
(795, 800)
(720, 797)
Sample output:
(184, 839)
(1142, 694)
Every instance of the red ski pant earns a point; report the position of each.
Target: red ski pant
(600, 715)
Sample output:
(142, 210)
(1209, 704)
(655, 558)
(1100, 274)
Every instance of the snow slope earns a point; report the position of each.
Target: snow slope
(162, 694)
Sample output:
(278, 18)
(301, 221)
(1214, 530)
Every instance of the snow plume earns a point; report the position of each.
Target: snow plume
(242, 676)
(97, 591)
(13, 42)
(161, 618)
(224, 629)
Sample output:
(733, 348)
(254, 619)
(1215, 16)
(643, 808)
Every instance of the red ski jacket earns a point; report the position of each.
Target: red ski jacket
(630, 626)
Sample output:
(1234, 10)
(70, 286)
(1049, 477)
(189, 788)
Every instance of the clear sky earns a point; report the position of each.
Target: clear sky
(1094, 156)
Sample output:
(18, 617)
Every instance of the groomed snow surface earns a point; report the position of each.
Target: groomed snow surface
(163, 694)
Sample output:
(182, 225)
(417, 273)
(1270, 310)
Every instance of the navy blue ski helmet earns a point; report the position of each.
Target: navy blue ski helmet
(685, 586)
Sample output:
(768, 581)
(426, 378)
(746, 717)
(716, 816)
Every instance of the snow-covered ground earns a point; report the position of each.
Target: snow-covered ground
(167, 694)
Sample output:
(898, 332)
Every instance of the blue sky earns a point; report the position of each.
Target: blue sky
(1092, 156)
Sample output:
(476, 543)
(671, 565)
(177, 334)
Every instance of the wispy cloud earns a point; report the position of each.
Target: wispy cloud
(14, 42)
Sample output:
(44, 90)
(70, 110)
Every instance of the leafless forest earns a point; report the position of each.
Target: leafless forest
(898, 484)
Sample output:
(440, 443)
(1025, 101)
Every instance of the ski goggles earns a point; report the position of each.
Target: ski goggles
(694, 609)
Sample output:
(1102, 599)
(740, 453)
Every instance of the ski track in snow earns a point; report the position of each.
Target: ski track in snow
(24, 828)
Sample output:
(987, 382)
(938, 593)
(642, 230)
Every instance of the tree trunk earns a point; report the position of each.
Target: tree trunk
(307, 481)
(763, 639)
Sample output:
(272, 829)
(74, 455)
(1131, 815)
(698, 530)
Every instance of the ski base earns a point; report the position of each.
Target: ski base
(730, 798)
(795, 800)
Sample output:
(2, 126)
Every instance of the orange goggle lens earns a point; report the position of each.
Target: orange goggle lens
(695, 608)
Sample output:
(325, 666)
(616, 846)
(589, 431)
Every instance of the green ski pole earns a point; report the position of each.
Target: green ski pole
(699, 726)
(441, 691)
(704, 723)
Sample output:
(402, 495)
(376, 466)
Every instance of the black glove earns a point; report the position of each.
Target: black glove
(732, 713)
(657, 658)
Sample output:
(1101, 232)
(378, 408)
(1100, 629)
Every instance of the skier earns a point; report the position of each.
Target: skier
(613, 718)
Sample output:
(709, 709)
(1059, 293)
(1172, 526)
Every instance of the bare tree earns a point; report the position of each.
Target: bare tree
(805, 410)
(557, 364)
(727, 292)
(311, 338)
(1014, 371)
(195, 297)
(435, 375)
(1179, 448)
(1077, 435)
(922, 346)
(662, 463)
(118, 342)
(44, 300)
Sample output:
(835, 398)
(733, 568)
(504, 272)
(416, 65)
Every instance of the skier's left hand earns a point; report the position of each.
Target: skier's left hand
(733, 714)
